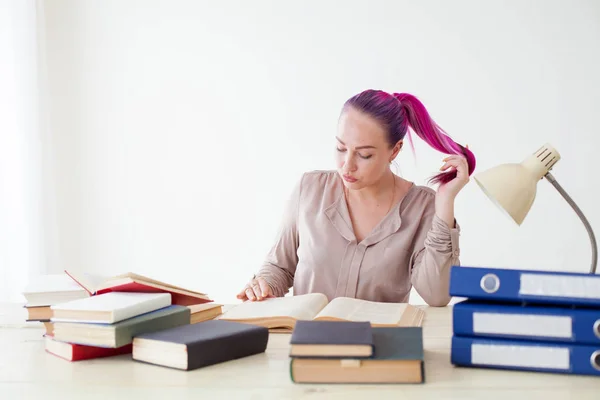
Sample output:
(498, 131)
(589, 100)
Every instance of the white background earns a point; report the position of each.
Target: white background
(173, 131)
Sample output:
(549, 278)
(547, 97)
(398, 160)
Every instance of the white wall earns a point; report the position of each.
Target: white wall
(21, 195)
(179, 127)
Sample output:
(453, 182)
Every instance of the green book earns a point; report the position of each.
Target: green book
(398, 358)
(121, 333)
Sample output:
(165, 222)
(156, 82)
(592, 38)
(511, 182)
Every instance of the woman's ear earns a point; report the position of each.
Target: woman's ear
(396, 150)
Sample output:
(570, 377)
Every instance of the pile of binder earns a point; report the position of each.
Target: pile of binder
(526, 320)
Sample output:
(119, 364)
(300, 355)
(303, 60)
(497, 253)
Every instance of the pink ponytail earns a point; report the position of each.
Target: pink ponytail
(421, 123)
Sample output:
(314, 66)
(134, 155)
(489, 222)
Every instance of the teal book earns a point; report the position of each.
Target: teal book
(398, 358)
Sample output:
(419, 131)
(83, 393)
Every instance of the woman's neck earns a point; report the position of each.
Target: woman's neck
(381, 191)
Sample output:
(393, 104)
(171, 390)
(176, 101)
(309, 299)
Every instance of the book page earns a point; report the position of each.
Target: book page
(89, 282)
(303, 307)
(361, 310)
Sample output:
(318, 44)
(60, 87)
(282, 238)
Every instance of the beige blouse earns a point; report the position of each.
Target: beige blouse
(316, 250)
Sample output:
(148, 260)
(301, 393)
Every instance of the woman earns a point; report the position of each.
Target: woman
(361, 231)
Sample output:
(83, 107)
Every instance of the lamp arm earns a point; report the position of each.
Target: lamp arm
(587, 225)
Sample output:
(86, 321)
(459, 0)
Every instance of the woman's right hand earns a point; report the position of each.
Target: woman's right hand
(255, 290)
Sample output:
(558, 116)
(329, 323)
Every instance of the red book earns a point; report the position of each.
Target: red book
(77, 352)
(131, 282)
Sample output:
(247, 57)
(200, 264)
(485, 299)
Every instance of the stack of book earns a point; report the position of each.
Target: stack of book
(86, 318)
(105, 324)
(355, 352)
(526, 320)
(44, 291)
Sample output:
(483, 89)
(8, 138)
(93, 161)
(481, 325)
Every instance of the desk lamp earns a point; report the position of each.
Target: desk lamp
(512, 187)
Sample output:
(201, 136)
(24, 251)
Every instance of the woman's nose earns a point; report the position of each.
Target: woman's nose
(349, 164)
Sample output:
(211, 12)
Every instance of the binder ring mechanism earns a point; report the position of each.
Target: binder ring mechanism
(597, 328)
(490, 283)
(595, 360)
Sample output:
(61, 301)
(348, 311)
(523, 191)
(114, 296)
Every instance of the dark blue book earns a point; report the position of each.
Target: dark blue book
(342, 339)
(525, 286)
(200, 345)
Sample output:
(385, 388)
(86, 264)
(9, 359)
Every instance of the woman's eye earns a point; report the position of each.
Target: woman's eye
(360, 155)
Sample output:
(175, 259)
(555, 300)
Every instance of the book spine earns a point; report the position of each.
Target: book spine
(291, 366)
(218, 350)
(525, 355)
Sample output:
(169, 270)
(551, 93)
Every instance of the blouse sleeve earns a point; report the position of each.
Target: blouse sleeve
(279, 266)
(431, 264)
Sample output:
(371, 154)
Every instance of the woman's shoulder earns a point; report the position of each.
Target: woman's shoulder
(422, 197)
(424, 192)
(318, 175)
(319, 183)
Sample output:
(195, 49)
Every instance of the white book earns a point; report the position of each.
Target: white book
(50, 289)
(110, 307)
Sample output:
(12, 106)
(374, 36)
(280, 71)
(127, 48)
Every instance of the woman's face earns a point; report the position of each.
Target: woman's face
(363, 153)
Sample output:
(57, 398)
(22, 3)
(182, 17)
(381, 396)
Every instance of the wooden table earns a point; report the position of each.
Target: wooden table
(28, 372)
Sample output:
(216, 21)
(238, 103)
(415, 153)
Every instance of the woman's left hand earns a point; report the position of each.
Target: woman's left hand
(450, 189)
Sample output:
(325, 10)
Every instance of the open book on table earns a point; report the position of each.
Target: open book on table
(131, 282)
(281, 313)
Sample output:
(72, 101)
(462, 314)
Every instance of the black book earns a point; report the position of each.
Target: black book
(398, 358)
(199, 345)
(331, 339)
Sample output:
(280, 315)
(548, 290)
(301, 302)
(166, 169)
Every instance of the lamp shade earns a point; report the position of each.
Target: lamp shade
(512, 187)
